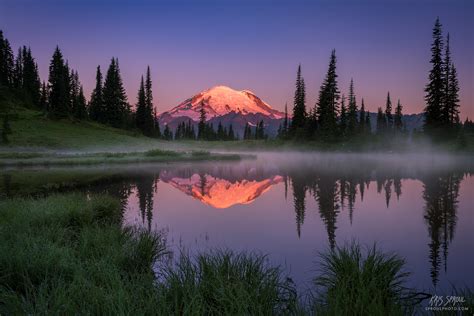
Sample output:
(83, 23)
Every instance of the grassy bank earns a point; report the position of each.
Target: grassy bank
(153, 155)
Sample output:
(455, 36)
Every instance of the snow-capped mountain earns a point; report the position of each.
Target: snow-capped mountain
(225, 105)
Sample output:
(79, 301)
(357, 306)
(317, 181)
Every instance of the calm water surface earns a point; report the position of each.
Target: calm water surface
(292, 206)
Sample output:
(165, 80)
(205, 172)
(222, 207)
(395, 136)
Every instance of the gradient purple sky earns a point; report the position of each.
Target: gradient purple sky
(257, 45)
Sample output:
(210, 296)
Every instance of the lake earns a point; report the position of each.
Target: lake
(291, 206)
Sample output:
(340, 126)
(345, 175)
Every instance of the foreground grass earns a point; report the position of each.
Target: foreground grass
(370, 283)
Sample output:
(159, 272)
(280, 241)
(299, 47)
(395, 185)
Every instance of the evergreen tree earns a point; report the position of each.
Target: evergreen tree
(327, 106)
(18, 70)
(343, 116)
(299, 107)
(149, 117)
(435, 87)
(453, 97)
(7, 62)
(247, 132)
(381, 122)
(30, 77)
(58, 86)
(115, 100)
(444, 116)
(285, 122)
(220, 132)
(140, 114)
(352, 113)
(81, 108)
(202, 123)
(368, 125)
(167, 134)
(74, 91)
(96, 105)
(231, 133)
(388, 113)
(398, 124)
(362, 117)
(44, 98)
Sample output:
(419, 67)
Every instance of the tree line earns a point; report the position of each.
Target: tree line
(62, 96)
(335, 117)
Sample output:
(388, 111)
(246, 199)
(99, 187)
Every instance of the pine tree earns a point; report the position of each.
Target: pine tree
(167, 134)
(327, 106)
(435, 87)
(299, 107)
(444, 116)
(116, 107)
(381, 122)
(7, 62)
(453, 97)
(31, 83)
(140, 114)
(343, 116)
(81, 107)
(231, 133)
(18, 70)
(96, 105)
(388, 113)
(285, 122)
(352, 113)
(362, 117)
(202, 123)
(58, 86)
(220, 132)
(43, 104)
(368, 125)
(149, 117)
(398, 124)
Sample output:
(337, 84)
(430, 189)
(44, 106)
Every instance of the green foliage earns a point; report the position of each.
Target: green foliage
(299, 106)
(226, 283)
(65, 254)
(161, 152)
(116, 107)
(352, 282)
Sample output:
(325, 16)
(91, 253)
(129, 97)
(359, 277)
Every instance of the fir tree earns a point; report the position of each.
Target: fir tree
(149, 117)
(202, 123)
(435, 87)
(285, 122)
(18, 70)
(381, 122)
(81, 108)
(231, 133)
(444, 116)
(327, 106)
(453, 97)
(352, 113)
(398, 124)
(362, 117)
(140, 114)
(388, 112)
(96, 104)
(58, 86)
(115, 100)
(44, 97)
(299, 107)
(368, 125)
(7, 62)
(343, 116)
(167, 134)
(31, 83)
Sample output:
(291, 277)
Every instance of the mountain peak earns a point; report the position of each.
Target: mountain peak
(221, 100)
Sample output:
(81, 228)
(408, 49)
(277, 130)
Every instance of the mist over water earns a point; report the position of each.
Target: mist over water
(293, 205)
